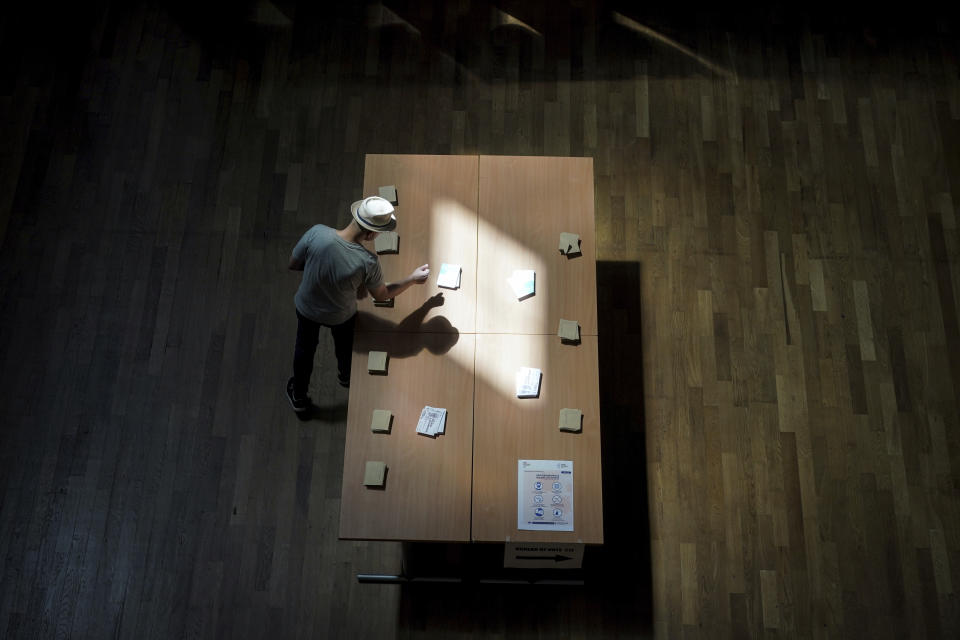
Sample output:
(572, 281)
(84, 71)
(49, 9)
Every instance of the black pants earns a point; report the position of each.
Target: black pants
(308, 335)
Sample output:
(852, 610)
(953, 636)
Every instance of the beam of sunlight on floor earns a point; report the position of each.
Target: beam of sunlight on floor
(380, 16)
(267, 14)
(500, 18)
(649, 33)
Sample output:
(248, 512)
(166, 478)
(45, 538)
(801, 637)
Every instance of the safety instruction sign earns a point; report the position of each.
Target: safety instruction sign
(545, 495)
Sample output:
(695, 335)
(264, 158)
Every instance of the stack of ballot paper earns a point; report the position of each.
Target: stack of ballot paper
(432, 421)
(389, 193)
(571, 420)
(374, 473)
(377, 362)
(449, 277)
(528, 382)
(523, 282)
(380, 423)
(387, 242)
(569, 331)
(569, 243)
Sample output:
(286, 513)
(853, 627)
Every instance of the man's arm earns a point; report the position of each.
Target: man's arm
(298, 257)
(392, 290)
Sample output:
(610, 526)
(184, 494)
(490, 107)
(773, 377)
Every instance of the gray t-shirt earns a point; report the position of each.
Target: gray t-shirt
(333, 271)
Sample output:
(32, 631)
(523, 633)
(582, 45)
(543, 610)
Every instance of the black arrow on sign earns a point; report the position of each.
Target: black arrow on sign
(556, 558)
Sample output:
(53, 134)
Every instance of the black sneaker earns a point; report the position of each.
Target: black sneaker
(343, 380)
(299, 404)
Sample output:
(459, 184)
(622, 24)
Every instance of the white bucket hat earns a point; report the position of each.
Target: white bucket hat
(374, 214)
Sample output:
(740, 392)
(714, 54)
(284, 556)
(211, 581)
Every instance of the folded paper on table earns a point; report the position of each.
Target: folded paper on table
(569, 243)
(523, 283)
(380, 423)
(433, 421)
(571, 420)
(528, 382)
(374, 473)
(377, 362)
(449, 277)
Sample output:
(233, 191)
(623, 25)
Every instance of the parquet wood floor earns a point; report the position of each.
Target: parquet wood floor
(778, 287)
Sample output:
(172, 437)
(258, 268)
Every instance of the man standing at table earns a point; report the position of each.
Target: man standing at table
(338, 271)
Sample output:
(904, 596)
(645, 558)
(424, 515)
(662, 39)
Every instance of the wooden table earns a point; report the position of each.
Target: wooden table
(525, 204)
(437, 222)
(507, 429)
(426, 496)
(491, 215)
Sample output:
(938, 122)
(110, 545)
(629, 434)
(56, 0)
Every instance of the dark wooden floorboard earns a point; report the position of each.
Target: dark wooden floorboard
(778, 291)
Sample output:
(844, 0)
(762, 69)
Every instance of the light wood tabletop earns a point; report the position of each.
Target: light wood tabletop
(426, 496)
(460, 350)
(437, 223)
(508, 429)
(525, 203)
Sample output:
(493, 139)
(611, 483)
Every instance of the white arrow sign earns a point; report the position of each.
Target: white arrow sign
(542, 555)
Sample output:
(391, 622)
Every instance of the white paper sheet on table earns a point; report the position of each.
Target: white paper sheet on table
(523, 283)
(433, 421)
(449, 277)
(545, 495)
(528, 382)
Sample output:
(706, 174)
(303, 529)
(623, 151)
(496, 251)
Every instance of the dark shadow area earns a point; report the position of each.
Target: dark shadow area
(436, 335)
(38, 50)
(546, 41)
(227, 29)
(616, 576)
(522, 40)
(537, 602)
(623, 563)
(330, 413)
(492, 610)
(475, 563)
(527, 41)
(64, 30)
(541, 602)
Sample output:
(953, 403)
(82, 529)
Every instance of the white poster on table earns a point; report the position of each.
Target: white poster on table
(545, 495)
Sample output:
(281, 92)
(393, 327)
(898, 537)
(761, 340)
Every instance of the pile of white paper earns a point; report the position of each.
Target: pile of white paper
(528, 382)
(432, 421)
(449, 277)
(523, 282)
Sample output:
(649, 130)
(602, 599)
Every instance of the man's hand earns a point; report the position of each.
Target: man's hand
(387, 291)
(420, 274)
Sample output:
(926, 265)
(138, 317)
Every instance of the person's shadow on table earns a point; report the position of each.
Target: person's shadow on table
(436, 335)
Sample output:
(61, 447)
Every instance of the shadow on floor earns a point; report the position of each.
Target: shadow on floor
(613, 597)
(330, 413)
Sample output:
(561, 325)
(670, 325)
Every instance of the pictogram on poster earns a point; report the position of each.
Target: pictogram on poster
(545, 495)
